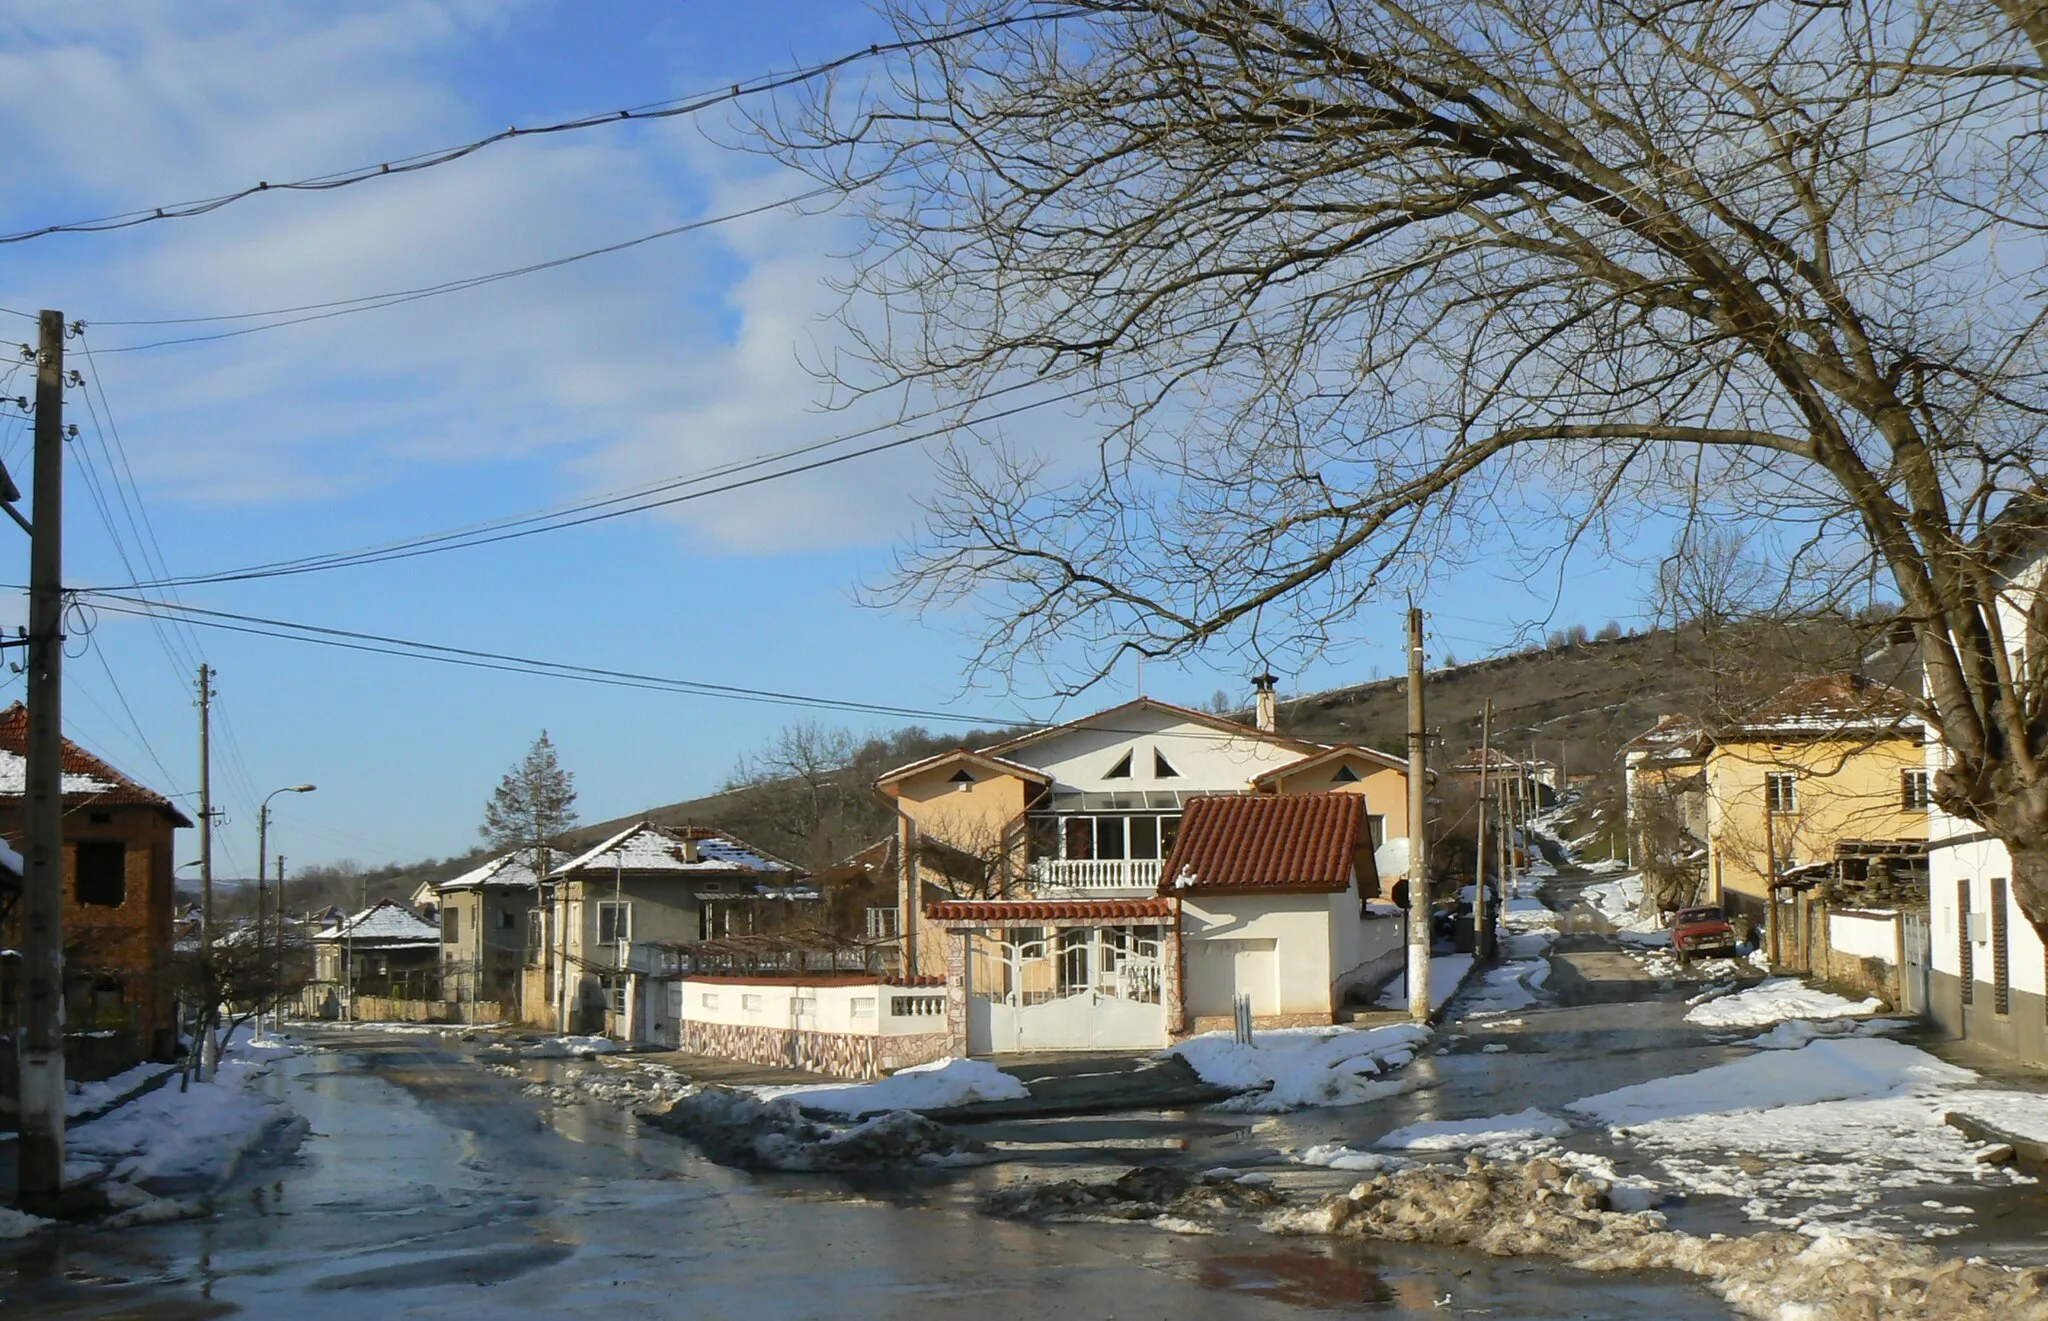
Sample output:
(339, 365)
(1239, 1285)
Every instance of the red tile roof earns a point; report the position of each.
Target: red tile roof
(1047, 910)
(1830, 704)
(1232, 843)
(80, 764)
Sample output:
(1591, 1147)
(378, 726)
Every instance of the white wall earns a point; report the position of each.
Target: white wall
(1865, 937)
(1978, 860)
(1360, 947)
(1208, 760)
(1297, 924)
(860, 1009)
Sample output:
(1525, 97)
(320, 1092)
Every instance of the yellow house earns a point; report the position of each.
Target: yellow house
(1814, 783)
(1380, 778)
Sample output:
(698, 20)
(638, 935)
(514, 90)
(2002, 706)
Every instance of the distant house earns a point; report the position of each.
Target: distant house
(384, 950)
(1664, 784)
(118, 896)
(489, 922)
(1821, 783)
(425, 900)
(612, 912)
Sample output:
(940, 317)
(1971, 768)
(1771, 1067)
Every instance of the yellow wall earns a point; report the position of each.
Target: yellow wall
(1385, 789)
(1845, 790)
(972, 816)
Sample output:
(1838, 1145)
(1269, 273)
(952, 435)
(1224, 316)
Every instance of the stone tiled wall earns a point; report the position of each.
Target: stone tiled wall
(835, 1054)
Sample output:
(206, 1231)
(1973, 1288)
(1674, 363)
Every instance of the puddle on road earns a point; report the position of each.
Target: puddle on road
(1305, 1279)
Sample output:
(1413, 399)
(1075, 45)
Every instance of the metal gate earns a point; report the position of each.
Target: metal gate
(1079, 988)
(1917, 951)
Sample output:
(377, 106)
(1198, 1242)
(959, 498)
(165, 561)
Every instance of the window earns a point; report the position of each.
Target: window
(751, 1003)
(884, 924)
(1376, 827)
(709, 999)
(1169, 830)
(1144, 836)
(1344, 775)
(535, 939)
(961, 777)
(451, 925)
(1080, 838)
(1915, 792)
(614, 921)
(100, 872)
(864, 1006)
(1966, 956)
(2001, 965)
(1781, 793)
(1109, 837)
(615, 994)
(1120, 771)
(507, 919)
(1162, 769)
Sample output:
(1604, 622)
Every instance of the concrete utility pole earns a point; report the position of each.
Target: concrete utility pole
(40, 1183)
(1483, 909)
(1418, 830)
(207, 1047)
(277, 1015)
(262, 851)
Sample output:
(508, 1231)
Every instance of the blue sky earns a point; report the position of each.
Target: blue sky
(444, 412)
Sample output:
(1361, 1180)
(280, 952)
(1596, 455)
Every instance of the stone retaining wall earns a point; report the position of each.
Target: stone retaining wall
(835, 1054)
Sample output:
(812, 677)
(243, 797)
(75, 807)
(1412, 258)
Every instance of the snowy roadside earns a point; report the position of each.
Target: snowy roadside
(1293, 1068)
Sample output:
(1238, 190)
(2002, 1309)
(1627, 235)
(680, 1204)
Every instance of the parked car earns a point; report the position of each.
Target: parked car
(1701, 931)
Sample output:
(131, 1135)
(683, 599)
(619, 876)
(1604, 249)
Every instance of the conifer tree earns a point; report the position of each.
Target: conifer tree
(532, 805)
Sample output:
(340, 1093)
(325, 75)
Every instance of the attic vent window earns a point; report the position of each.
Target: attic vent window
(1344, 775)
(1162, 769)
(962, 777)
(1122, 769)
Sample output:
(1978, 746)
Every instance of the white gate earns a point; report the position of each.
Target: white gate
(1077, 988)
(1918, 954)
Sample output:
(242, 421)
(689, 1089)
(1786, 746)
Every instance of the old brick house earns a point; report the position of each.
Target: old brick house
(118, 900)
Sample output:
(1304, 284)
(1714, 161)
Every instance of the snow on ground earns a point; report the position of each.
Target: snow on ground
(940, 1085)
(85, 1097)
(1814, 1135)
(1463, 1134)
(564, 1048)
(1796, 1032)
(1337, 1156)
(173, 1141)
(735, 1128)
(1446, 974)
(1505, 987)
(1292, 1068)
(19, 1224)
(1620, 901)
(1776, 1000)
(2022, 1114)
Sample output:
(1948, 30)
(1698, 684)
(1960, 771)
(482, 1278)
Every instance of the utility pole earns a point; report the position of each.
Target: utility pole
(277, 1013)
(1483, 912)
(207, 1047)
(40, 1182)
(1418, 830)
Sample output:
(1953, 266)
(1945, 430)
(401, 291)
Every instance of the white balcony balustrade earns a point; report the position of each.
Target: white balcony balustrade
(1095, 876)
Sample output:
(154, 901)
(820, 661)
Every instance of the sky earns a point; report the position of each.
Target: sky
(350, 431)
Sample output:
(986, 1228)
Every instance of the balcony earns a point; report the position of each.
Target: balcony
(1095, 876)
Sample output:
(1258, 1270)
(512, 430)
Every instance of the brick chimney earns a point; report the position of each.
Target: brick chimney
(1268, 717)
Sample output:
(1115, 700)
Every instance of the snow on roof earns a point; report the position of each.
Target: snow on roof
(511, 871)
(84, 774)
(651, 848)
(386, 923)
(1831, 703)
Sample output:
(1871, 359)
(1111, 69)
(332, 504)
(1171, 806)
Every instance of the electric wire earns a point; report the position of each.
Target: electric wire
(654, 110)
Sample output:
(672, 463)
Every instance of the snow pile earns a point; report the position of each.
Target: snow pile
(1776, 1000)
(735, 1128)
(1620, 901)
(940, 1085)
(1541, 1207)
(1507, 987)
(1290, 1068)
(1797, 1032)
(1823, 1071)
(1165, 1197)
(1461, 1134)
(1446, 975)
(186, 1141)
(19, 1224)
(2022, 1114)
(1337, 1156)
(564, 1048)
(84, 1098)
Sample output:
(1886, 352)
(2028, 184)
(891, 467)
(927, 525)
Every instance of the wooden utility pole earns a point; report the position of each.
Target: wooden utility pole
(1483, 913)
(206, 1042)
(40, 1182)
(1418, 829)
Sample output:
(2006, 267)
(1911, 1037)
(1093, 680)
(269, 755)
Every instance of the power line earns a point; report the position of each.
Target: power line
(374, 302)
(393, 646)
(654, 110)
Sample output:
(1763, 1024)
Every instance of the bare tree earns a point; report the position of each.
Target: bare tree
(1358, 290)
(801, 787)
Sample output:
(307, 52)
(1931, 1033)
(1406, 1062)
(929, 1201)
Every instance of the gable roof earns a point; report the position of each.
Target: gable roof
(512, 871)
(87, 779)
(1831, 703)
(992, 765)
(1336, 752)
(1672, 738)
(647, 847)
(386, 923)
(1238, 843)
(1188, 714)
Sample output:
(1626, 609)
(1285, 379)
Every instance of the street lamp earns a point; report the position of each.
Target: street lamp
(262, 865)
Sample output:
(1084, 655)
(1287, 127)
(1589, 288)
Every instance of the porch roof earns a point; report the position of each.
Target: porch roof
(1233, 845)
(1035, 912)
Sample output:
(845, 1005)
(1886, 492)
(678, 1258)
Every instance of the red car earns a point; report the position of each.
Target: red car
(1698, 932)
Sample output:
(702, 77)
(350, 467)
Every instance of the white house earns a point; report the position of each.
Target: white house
(1986, 973)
